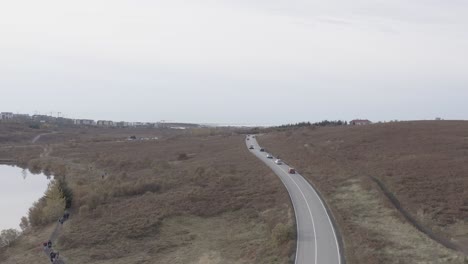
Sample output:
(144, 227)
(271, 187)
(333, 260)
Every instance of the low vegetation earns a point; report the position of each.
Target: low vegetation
(179, 199)
(422, 164)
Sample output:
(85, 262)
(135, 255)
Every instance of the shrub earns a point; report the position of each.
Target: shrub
(34, 126)
(49, 208)
(24, 224)
(182, 156)
(35, 166)
(282, 233)
(35, 213)
(8, 237)
(66, 191)
(55, 202)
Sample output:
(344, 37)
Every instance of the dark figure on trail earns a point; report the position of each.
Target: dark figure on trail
(61, 220)
(66, 215)
(49, 244)
(53, 256)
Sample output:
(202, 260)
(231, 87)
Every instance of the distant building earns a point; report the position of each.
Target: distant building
(64, 121)
(123, 124)
(43, 118)
(22, 117)
(84, 122)
(105, 123)
(360, 122)
(6, 116)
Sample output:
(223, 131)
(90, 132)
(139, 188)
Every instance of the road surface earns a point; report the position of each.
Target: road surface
(317, 242)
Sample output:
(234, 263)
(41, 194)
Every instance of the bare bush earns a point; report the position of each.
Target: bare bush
(8, 237)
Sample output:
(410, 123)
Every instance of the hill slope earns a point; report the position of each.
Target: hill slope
(422, 164)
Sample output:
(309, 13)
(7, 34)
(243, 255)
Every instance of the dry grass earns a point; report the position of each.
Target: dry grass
(138, 202)
(423, 164)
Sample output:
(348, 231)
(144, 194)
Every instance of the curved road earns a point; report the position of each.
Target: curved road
(317, 242)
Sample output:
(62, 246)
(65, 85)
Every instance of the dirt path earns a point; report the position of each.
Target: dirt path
(53, 238)
(36, 138)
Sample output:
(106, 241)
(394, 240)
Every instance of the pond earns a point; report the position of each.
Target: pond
(19, 189)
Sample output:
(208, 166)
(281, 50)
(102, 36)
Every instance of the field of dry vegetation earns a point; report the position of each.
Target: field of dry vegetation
(196, 197)
(423, 165)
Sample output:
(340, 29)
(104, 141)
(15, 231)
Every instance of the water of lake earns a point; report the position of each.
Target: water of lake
(19, 189)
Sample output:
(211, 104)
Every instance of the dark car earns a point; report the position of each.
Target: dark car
(251, 147)
(262, 150)
(292, 171)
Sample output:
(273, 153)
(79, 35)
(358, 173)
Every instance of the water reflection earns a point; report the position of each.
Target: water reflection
(19, 189)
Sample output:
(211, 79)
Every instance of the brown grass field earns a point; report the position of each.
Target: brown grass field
(423, 165)
(190, 197)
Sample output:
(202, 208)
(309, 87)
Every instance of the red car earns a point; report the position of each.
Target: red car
(292, 171)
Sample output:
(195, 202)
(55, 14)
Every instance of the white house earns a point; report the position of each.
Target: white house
(84, 122)
(105, 123)
(360, 122)
(6, 116)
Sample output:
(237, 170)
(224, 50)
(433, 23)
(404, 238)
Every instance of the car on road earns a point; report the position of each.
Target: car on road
(292, 171)
(269, 156)
(251, 147)
(262, 150)
(278, 161)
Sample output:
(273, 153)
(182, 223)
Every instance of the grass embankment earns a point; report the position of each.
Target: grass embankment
(423, 165)
(183, 199)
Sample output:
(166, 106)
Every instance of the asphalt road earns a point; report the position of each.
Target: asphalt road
(317, 242)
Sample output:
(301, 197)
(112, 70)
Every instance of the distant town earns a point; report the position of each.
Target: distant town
(49, 120)
(38, 120)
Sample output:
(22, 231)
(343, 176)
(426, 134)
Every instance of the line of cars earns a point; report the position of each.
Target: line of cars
(269, 156)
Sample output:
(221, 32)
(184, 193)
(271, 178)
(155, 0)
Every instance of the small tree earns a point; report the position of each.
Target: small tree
(55, 202)
(66, 192)
(8, 237)
(24, 224)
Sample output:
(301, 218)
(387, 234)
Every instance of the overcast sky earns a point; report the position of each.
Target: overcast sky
(239, 61)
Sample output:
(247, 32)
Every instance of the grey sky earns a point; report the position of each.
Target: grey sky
(267, 62)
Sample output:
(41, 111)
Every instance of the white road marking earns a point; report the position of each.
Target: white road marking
(310, 212)
(329, 219)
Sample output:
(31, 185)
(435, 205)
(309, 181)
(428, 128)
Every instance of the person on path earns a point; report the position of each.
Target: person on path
(52, 256)
(49, 244)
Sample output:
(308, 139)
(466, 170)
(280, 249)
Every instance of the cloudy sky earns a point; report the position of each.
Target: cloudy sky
(249, 62)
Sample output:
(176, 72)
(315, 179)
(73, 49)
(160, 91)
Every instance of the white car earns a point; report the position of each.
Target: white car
(278, 161)
(269, 156)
